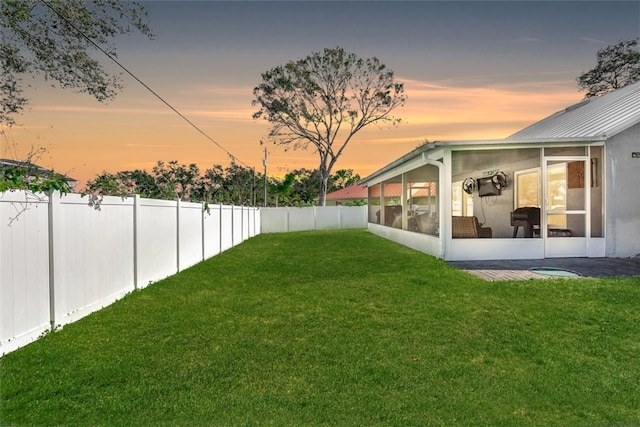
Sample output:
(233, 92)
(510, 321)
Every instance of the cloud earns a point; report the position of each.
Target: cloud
(525, 39)
(105, 109)
(137, 145)
(589, 39)
(441, 111)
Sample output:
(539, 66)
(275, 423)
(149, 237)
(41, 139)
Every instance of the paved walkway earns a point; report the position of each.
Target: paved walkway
(520, 269)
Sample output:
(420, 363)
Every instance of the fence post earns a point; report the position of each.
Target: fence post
(52, 217)
(202, 211)
(340, 217)
(178, 234)
(286, 216)
(220, 227)
(136, 236)
(233, 211)
(315, 218)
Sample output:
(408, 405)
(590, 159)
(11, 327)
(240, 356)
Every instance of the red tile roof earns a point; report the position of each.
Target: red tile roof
(351, 192)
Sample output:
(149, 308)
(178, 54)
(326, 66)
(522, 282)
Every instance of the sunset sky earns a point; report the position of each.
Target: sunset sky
(472, 70)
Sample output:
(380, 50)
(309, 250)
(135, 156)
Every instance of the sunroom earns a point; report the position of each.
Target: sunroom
(483, 200)
(566, 186)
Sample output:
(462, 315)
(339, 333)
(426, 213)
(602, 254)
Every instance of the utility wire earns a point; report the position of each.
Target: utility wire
(193, 125)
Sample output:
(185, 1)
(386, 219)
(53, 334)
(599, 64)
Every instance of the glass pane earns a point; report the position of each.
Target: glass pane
(374, 204)
(527, 188)
(423, 207)
(556, 186)
(573, 227)
(461, 202)
(597, 208)
(392, 201)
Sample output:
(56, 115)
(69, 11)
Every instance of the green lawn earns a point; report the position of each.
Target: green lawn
(338, 328)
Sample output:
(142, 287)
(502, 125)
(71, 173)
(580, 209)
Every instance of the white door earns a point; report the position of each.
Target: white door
(565, 223)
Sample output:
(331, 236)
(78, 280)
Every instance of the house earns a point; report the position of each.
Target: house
(34, 170)
(566, 186)
(350, 195)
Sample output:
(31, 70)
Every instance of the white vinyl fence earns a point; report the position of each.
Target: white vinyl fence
(60, 260)
(281, 220)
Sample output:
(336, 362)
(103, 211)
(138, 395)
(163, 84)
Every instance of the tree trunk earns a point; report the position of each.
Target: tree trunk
(324, 180)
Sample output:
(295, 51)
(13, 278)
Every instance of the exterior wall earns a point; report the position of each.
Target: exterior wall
(420, 242)
(623, 195)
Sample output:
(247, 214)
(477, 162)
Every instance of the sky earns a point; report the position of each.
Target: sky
(471, 70)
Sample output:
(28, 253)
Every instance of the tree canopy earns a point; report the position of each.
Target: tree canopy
(234, 184)
(617, 66)
(323, 100)
(57, 40)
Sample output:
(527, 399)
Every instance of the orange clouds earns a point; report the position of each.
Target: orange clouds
(135, 131)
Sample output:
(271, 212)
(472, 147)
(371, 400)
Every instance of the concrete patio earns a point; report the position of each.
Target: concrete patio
(520, 269)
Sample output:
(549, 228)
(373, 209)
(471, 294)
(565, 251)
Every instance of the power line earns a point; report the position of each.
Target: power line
(193, 125)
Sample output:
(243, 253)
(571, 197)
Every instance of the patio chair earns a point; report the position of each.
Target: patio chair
(468, 227)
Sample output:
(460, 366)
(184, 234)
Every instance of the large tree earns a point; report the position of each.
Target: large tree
(617, 66)
(323, 100)
(59, 40)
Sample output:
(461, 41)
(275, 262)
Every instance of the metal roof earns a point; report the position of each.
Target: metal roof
(599, 117)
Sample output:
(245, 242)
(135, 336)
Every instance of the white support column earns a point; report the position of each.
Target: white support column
(403, 202)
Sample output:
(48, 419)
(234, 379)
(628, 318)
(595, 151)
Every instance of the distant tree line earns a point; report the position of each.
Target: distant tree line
(234, 184)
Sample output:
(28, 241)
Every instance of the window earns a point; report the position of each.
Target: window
(527, 188)
(461, 202)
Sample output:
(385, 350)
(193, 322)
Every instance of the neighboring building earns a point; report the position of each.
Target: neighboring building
(35, 170)
(347, 196)
(566, 186)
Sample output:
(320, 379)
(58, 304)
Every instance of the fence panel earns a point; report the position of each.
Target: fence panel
(279, 220)
(353, 216)
(328, 218)
(254, 223)
(226, 227)
(157, 240)
(237, 224)
(92, 254)
(274, 220)
(190, 234)
(301, 219)
(24, 269)
(211, 239)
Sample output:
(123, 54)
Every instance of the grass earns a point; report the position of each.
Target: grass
(338, 328)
